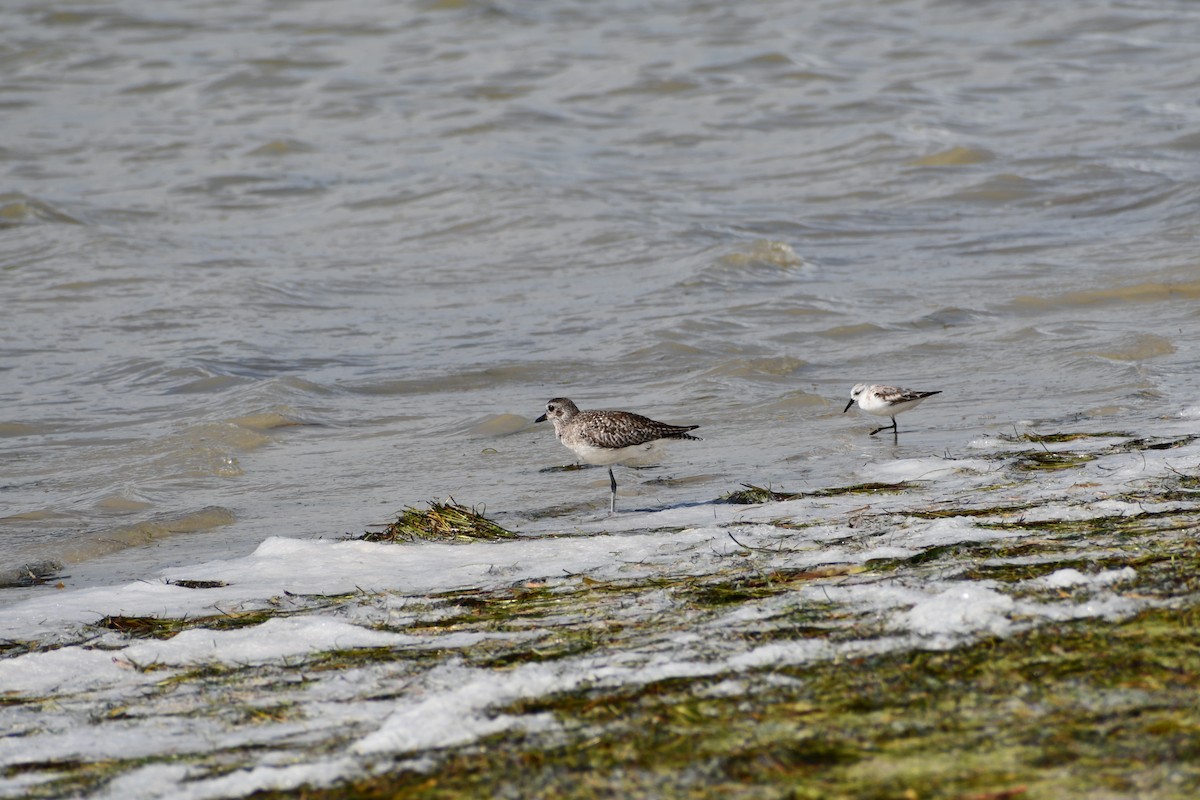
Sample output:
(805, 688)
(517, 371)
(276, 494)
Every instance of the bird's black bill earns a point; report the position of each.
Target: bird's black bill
(847, 408)
(542, 418)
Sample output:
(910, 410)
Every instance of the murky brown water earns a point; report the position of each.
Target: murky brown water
(284, 268)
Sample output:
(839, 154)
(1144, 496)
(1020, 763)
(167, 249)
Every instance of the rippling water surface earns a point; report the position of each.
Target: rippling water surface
(284, 268)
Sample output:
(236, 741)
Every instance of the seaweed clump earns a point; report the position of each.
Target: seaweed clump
(441, 522)
(750, 494)
(1049, 460)
(151, 627)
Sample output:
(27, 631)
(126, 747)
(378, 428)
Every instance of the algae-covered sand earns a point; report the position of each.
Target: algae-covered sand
(1019, 622)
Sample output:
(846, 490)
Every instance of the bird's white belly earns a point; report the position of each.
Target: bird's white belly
(881, 408)
(637, 455)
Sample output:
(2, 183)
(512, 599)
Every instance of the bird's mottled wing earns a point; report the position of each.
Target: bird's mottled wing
(894, 395)
(615, 429)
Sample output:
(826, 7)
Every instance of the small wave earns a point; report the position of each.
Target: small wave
(1189, 141)
(769, 368)
(265, 421)
(754, 263)
(1150, 292)
(133, 22)
(499, 425)
(127, 372)
(1118, 200)
(950, 317)
(222, 183)
(859, 331)
(1140, 348)
(254, 79)
(785, 406)
(486, 379)
(153, 87)
(207, 384)
(281, 147)
(47, 565)
(954, 157)
(766, 253)
(1000, 190)
(663, 351)
(17, 208)
(20, 429)
(122, 504)
(268, 367)
(204, 449)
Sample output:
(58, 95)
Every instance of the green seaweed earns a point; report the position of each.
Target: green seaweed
(149, 627)
(864, 488)
(443, 522)
(960, 511)
(1071, 710)
(494, 609)
(1059, 438)
(1146, 522)
(1047, 460)
(742, 588)
(753, 495)
(186, 584)
(1180, 488)
(1134, 445)
(152, 627)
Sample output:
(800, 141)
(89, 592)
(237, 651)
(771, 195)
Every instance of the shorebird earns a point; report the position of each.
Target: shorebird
(885, 401)
(611, 437)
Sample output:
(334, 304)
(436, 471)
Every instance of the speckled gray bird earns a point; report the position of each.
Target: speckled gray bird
(611, 437)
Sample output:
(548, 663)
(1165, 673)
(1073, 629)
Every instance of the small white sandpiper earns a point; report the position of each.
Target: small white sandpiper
(611, 437)
(885, 401)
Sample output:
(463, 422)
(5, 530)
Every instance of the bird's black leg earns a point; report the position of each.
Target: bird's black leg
(885, 427)
(612, 501)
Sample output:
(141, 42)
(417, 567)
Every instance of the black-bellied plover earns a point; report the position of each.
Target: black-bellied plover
(885, 401)
(611, 437)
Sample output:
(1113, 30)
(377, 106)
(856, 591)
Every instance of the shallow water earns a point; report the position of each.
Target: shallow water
(268, 273)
